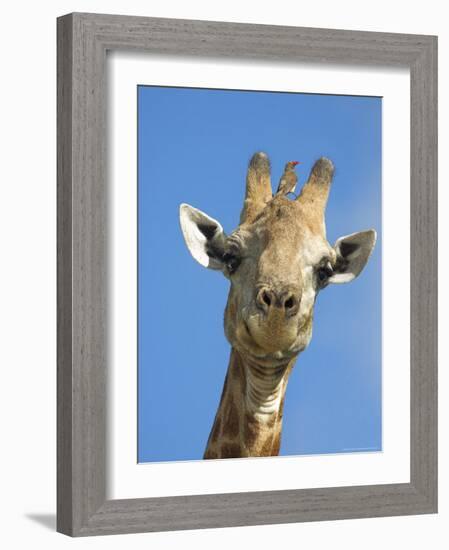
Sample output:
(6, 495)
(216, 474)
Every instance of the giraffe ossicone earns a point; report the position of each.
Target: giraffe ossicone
(277, 261)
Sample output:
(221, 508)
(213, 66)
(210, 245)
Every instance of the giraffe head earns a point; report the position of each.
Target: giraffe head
(277, 260)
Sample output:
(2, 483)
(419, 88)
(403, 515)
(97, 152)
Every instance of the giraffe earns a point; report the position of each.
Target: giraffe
(277, 261)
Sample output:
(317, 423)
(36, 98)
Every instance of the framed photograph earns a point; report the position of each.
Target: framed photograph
(247, 282)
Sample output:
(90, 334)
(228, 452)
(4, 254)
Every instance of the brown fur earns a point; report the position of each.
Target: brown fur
(231, 419)
(243, 433)
(215, 434)
(251, 430)
(209, 454)
(258, 188)
(276, 445)
(267, 447)
(231, 450)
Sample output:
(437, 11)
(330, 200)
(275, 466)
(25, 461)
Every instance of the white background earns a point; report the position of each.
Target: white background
(28, 305)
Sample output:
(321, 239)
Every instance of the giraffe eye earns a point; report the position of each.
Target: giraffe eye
(323, 274)
(232, 262)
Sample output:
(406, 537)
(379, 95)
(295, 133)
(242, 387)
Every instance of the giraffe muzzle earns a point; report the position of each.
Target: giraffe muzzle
(269, 299)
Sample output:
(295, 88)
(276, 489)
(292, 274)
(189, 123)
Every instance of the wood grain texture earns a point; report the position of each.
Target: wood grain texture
(64, 277)
(83, 40)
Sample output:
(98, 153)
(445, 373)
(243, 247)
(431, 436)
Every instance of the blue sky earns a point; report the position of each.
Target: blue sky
(194, 146)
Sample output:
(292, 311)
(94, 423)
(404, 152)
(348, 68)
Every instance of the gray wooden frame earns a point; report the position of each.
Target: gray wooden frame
(83, 40)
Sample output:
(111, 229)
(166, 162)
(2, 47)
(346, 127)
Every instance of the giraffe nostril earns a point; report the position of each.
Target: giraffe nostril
(291, 303)
(266, 298)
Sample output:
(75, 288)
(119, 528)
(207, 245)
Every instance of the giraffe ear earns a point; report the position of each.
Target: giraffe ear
(353, 252)
(203, 235)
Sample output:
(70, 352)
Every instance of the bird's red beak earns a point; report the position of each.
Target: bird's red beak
(295, 162)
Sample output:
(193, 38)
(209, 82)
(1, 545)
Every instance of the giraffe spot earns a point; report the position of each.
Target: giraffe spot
(276, 445)
(235, 371)
(231, 450)
(231, 420)
(238, 376)
(267, 447)
(225, 385)
(271, 421)
(210, 455)
(216, 429)
(239, 373)
(251, 430)
(231, 308)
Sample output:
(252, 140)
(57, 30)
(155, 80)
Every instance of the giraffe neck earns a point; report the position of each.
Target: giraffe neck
(249, 417)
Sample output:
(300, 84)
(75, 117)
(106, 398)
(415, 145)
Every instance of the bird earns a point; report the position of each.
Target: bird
(288, 179)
